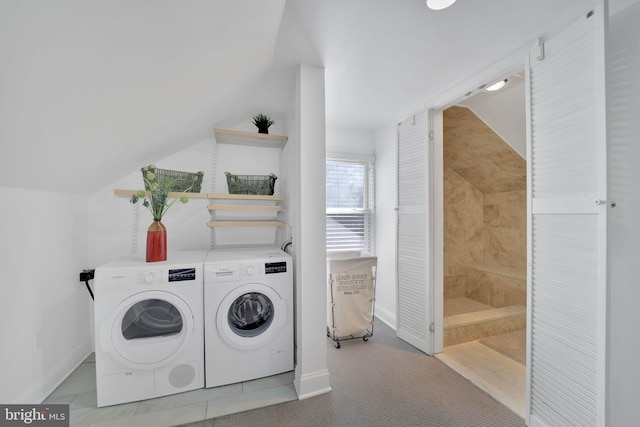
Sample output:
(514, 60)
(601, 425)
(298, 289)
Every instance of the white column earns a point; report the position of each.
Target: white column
(312, 375)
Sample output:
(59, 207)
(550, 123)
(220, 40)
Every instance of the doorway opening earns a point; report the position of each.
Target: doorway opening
(484, 253)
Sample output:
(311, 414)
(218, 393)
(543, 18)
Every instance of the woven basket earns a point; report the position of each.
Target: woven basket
(180, 181)
(251, 184)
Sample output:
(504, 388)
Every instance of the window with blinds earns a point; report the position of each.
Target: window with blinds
(349, 217)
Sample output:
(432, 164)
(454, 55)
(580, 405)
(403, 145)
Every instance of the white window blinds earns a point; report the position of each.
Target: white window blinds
(349, 196)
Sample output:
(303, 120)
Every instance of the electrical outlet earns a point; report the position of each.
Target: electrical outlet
(87, 275)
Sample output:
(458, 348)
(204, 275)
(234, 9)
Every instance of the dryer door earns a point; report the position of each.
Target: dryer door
(250, 316)
(149, 329)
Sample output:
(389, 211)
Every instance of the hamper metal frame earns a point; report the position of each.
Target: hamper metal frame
(365, 333)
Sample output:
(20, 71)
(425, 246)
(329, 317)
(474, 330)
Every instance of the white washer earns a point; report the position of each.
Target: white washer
(149, 327)
(248, 297)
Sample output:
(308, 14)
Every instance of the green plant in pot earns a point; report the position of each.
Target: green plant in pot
(157, 200)
(262, 122)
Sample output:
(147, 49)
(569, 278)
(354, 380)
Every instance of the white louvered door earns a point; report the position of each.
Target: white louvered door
(567, 226)
(414, 282)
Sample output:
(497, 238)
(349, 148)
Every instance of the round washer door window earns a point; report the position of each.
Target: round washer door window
(150, 329)
(250, 316)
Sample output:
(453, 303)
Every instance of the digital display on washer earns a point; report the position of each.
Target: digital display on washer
(275, 267)
(182, 274)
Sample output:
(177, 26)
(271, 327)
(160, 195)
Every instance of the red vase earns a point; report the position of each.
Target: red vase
(156, 242)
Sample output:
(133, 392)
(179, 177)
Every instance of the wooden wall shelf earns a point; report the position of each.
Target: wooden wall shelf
(243, 197)
(245, 208)
(274, 209)
(254, 139)
(245, 224)
(129, 193)
(213, 196)
(267, 209)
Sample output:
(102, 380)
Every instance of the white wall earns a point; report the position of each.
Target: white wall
(117, 227)
(349, 141)
(44, 335)
(623, 369)
(386, 191)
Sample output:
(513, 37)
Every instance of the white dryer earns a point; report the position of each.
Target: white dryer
(149, 327)
(248, 297)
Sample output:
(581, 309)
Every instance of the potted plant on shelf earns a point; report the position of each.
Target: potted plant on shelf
(157, 200)
(263, 122)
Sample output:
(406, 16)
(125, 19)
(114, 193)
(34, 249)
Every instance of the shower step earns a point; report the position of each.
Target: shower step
(483, 322)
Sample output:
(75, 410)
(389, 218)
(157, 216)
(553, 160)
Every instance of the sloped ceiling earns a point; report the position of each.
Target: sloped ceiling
(93, 89)
(504, 112)
(90, 90)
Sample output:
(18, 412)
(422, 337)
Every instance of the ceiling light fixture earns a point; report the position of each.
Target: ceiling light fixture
(497, 86)
(439, 4)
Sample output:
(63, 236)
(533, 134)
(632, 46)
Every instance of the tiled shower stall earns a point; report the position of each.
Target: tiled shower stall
(485, 231)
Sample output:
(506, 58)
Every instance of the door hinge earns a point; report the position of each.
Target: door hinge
(541, 47)
(430, 136)
(432, 327)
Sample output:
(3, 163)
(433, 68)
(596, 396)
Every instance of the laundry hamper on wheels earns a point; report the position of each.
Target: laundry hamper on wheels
(351, 298)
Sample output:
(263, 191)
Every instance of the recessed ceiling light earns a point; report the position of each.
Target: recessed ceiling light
(497, 86)
(439, 4)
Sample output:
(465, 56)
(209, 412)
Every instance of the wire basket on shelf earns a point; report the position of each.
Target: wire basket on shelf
(180, 181)
(251, 184)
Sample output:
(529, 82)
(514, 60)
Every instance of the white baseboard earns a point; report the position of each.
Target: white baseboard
(386, 316)
(39, 391)
(313, 384)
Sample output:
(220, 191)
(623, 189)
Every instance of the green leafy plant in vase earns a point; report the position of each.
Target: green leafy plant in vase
(157, 200)
(262, 122)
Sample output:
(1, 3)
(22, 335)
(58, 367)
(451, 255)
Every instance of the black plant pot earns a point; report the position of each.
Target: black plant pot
(263, 130)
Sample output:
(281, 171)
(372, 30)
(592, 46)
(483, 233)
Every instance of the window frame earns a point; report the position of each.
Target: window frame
(369, 199)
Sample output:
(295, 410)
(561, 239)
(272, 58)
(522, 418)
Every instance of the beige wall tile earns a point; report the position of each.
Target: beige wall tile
(479, 155)
(484, 211)
(454, 286)
(462, 224)
(494, 288)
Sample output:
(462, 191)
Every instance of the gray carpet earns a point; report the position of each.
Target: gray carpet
(511, 344)
(383, 382)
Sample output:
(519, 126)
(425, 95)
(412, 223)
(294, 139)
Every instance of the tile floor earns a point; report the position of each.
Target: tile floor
(498, 375)
(79, 392)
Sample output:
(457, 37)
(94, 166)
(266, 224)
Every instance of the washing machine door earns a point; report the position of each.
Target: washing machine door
(149, 329)
(250, 316)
